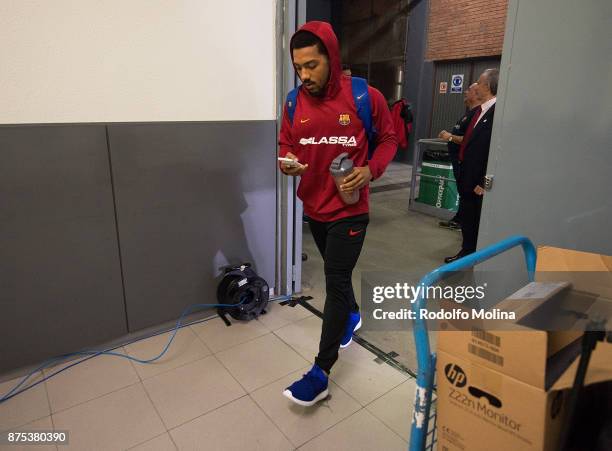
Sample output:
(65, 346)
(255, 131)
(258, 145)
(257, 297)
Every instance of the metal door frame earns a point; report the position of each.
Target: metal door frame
(290, 14)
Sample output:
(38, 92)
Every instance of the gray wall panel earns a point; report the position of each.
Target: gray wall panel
(59, 266)
(191, 197)
(550, 150)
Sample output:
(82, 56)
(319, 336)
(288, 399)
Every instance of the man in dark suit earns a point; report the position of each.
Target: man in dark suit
(454, 139)
(473, 159)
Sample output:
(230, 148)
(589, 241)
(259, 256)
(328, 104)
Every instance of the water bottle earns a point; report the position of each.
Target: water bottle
(341, 167)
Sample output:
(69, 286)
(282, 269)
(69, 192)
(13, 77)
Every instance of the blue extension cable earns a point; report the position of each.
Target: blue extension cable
(13, 392)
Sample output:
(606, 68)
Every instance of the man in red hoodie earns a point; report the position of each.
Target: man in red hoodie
(325, 124)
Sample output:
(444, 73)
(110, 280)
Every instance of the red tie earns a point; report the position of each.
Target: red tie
(468, 132)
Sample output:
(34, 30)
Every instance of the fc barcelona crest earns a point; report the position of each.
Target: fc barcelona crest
(344, 119)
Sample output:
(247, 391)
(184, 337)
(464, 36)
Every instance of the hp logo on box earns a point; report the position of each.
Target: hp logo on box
(455, 375)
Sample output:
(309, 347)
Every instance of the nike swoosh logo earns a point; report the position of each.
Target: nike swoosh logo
(354, 232)
(359, 97)
(303, 121)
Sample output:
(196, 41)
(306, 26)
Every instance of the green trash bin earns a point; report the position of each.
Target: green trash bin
(438, 193)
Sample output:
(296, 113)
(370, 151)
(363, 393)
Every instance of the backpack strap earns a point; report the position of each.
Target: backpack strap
(291, 102)
(364, 110)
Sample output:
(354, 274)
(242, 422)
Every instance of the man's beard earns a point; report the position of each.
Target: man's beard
(318, 93)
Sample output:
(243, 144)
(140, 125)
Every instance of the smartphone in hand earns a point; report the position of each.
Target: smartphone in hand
(290, 162)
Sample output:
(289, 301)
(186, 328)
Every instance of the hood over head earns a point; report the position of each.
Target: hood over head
(325, 33)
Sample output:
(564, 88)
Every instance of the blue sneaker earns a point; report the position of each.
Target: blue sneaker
(309, 389)
(353, 323)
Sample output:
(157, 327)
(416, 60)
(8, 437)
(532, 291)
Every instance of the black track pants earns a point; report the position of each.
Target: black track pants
(340, 244)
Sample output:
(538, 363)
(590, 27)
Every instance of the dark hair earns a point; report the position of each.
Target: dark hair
(492, 77)
(346, 66)
(305, 38)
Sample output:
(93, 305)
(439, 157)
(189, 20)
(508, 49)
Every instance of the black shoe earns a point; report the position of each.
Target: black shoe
(453, 225)
(461, 253)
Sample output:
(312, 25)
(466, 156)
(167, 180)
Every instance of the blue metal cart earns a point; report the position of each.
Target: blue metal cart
(421, 437)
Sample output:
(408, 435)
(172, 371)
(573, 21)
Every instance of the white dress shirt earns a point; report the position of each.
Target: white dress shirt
(484, 108)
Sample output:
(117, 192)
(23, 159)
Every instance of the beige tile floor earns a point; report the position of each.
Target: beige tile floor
(219, 388)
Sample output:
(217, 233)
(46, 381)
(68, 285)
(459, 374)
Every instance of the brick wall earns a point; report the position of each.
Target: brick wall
(460, 29)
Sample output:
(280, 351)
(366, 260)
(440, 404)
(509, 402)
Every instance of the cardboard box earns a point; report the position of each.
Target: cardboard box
(482, 409)
(506, 389)
(558, 259)
(538, 357)
(535, 357)
(568, 310)
(591, 273)
(528, 356)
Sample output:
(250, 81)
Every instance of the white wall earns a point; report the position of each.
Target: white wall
(136, 60)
